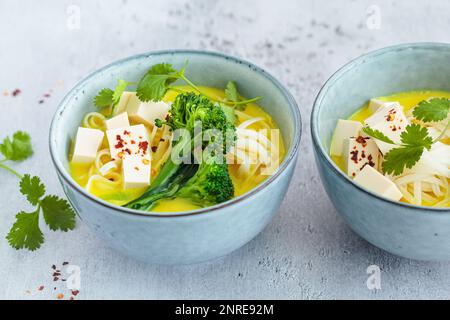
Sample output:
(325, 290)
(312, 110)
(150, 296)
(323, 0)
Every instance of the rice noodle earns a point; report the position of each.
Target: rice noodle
(94, 120)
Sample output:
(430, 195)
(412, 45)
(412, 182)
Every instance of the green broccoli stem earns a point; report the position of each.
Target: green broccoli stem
(158, 188)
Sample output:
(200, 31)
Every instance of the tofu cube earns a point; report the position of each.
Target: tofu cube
(360, 152)
(146, 112)
(391, 121)
(136, 171)
(121, 107)
(119, 121)
(376, 105)
(344, 130)
(128, 141)
(374, 181)
(87, 143)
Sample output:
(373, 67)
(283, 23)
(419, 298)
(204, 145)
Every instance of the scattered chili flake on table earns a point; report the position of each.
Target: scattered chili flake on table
(60, 296)
(41, 288)
(16, 92)
(65, 263)
(75, 292)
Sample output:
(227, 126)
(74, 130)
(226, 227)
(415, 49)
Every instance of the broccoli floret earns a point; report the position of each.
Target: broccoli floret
(184, 112)
(210, 185)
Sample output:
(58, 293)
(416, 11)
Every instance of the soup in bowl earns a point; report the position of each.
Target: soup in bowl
(176, 157)
(380, 135)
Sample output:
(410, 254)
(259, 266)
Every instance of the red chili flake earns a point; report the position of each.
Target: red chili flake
(56, 274)
(65, 263)
(119, 145)
(127, 151)
(55, 278)
(16, 92)
(71, 298)
(362, 140)
(353, 174)
(363, 154)
(60, 296)
(75, 292)
(47, 95)
(371, 163)
(162, 140)
(143, 145)
(125, 132)
(354, 156)
(154, 148)
(41, 288)
(133, 142)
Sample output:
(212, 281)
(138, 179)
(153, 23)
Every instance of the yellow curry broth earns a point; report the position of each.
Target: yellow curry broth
(407, 99)
(119, 196)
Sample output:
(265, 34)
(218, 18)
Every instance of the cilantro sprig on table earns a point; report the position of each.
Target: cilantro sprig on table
(159, 79)
(415, 139)
(57, 213)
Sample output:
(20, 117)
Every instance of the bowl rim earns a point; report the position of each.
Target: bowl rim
(318, 146)
(290, 156)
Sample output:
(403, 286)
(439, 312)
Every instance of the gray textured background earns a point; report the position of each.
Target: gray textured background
(307, 252)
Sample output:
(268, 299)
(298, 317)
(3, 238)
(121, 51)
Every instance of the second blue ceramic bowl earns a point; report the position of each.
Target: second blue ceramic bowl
(406, 230)
(180, 237)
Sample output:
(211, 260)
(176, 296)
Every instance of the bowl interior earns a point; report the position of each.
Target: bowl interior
(383, 72)
(205, 68)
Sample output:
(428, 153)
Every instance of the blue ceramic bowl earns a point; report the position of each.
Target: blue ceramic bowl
(406, 230)
(180, 237)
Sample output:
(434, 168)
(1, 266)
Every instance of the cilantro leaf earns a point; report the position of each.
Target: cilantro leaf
(19, 148)
(433, 110)
(377, 135)
(397, 159)
(104, 98)
(25, 232)
(416, 136)
(155, 83)
(231, 92)
(229, 113)
(58, 214)
(120, 88)
(32, 188)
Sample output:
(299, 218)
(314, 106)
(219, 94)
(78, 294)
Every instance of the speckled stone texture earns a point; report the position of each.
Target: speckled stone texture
(307, 252)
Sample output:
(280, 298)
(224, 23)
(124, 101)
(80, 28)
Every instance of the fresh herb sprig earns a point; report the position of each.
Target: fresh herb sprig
(415, 139)
(110, 98)
(159, 79)
(58, 214)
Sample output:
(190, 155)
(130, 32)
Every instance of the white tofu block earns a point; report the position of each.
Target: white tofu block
(136, 172)
(146, 112)
(119, 121)
(375, 104)
(391, 121)
(132, 140)
(87, 143)
(344, 130)
(121, 107)
(360, 152)
(374, 181)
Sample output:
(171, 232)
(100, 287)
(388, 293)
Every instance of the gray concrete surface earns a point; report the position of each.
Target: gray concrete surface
(307, 252)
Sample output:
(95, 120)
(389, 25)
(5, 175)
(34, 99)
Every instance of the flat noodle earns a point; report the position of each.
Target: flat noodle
(94, 120)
